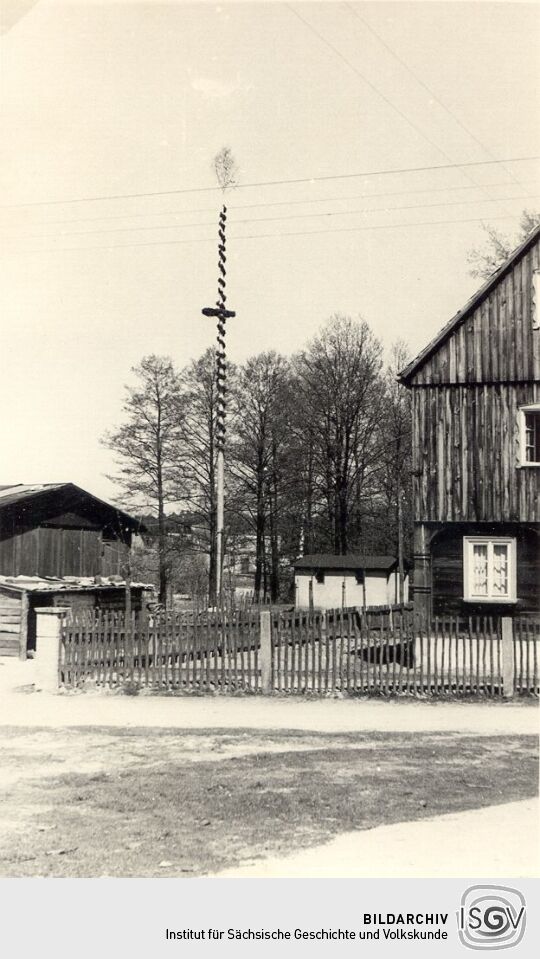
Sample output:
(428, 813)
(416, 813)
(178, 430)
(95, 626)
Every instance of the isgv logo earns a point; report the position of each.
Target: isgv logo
(491, 917)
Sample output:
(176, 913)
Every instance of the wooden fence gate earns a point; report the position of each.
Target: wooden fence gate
(385, 652)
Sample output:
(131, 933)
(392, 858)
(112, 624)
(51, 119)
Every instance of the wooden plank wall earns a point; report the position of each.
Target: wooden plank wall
(466, 454)
(496, 341)
(52, 552)
(61, 535)
(10, 623)
(114, 557)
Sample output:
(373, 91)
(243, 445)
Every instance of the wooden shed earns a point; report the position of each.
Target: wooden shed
(476, 449)
(21, 595)
(58, 529)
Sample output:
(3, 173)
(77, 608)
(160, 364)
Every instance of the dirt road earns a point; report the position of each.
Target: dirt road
(497, 841)
(253, 712)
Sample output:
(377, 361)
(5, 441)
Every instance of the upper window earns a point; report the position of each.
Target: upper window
(529, 428)
(489, 567)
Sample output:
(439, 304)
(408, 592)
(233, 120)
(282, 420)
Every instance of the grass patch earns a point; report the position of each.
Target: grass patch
(150, 803)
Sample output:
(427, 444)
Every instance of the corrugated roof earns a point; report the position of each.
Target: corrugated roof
(471, 304)
(26, 491)
(51, 584)
(319, 561)
(20, 491)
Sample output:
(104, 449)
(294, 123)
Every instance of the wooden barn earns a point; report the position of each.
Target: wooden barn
(476, 449)
(58, 529)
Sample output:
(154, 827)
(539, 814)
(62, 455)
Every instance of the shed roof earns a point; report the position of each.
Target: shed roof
(24, 492)
(52, 584)
(472, 304)
(21, 491)
(320, 561)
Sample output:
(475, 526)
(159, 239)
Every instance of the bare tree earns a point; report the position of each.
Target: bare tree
(498, 247)
(198, 438)
(262, 437)
(338, 392)
(146, 448)
(396, 457)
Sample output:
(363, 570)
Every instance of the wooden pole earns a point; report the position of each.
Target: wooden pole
(220, 520)
(401, 568)
(422, 572)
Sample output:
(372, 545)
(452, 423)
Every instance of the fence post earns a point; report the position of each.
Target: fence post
(265, 652)
(48, 646)
(508, 665)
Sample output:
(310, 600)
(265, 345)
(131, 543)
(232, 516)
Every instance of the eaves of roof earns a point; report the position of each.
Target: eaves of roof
(24, 492)
(351, 561)
(472, 304)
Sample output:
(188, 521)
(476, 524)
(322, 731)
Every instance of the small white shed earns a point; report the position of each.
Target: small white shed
(328, 582)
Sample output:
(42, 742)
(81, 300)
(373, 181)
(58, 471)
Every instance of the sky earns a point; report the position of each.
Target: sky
(111, 114)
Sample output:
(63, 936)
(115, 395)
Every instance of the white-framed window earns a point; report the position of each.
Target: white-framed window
(489, 569)
(529, 435)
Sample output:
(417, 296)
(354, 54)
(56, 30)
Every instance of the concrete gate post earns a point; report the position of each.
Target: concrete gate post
(508, 665)
(265, 652)
(48, 638)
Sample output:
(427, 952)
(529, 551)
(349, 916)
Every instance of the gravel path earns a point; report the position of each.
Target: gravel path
(38, 709)
(230, 712)
(497, 841)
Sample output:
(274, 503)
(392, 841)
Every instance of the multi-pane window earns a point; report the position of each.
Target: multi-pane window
(489, 569)
(530, 435)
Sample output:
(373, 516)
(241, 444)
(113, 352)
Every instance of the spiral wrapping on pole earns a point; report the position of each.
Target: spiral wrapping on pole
(221, 359)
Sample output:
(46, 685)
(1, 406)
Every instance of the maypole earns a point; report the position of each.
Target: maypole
(224, 167)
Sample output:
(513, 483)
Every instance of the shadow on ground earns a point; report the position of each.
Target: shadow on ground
(157, 802)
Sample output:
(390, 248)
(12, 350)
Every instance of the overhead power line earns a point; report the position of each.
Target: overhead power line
(269, 219)
(259, 236)
(424, 85)
(366, 80)
(263, 204)
(373, 87)
(311, 179)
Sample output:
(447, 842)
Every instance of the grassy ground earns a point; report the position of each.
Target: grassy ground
(161, 802)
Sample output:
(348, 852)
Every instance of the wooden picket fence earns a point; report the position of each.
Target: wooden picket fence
(198, 651)
(386, 652)
(346, 651)
(526, 643)
(341, 650)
